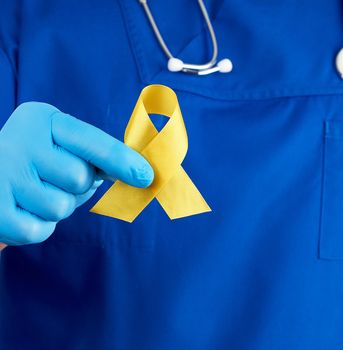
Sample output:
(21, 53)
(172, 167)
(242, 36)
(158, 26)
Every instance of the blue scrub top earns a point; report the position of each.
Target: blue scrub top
(264, 270)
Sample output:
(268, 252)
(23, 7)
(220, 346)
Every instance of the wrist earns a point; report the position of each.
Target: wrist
(2, 246)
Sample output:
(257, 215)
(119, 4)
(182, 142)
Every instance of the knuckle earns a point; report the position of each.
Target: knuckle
(26, 106)
(31, 233)
(28, 110)
(34, 232)
(35, 106)
(20, 228)
(82, 178)
(63, 207)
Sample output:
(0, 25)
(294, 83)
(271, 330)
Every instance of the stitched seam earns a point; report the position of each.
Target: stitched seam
(269, 95)
(133, 42)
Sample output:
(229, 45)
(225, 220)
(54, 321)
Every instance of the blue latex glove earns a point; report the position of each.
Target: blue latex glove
(50, 164)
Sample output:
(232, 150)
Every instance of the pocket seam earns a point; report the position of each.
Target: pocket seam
(325, 247)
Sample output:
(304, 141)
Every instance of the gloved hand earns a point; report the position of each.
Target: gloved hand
(49, 164)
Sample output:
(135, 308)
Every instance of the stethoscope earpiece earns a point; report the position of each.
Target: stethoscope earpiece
(225, 65)
(177, 65)
(339, 63)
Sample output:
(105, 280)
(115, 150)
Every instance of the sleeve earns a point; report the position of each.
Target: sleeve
(7, 88)
(9, 29)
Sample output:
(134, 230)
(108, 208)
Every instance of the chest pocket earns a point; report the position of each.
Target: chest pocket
(331, 235)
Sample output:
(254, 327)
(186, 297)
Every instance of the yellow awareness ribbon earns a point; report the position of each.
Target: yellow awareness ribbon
(165, 151)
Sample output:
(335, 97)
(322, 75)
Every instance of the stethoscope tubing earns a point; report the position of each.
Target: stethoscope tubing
(199, 69)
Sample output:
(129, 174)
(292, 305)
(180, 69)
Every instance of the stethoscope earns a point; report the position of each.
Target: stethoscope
(177, 65)
(223, 66)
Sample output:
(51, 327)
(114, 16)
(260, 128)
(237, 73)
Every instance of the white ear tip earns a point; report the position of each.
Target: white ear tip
(225, 66)
(175, 64)
(339, 62)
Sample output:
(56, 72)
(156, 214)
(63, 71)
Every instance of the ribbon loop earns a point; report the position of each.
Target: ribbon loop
(165, 151)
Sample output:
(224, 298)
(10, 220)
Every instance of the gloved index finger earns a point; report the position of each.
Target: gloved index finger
(110, 155)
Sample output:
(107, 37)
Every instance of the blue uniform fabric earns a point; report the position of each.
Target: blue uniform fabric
(264, 270)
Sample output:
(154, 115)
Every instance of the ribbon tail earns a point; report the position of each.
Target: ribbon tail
(180, 197)
(123, 202)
